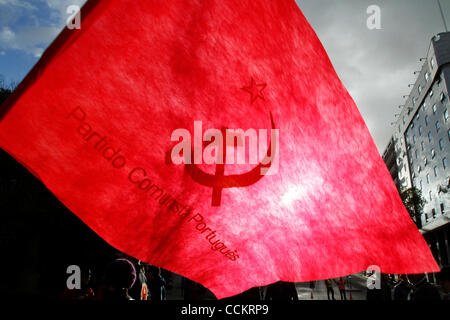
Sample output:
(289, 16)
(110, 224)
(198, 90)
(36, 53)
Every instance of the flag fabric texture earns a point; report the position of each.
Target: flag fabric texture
(109, 116)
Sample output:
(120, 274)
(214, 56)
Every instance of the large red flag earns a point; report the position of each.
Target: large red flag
(133, 123)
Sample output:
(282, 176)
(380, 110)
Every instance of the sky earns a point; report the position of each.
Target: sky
(375, 66)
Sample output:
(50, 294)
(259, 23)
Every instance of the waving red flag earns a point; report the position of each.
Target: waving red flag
(213, 139)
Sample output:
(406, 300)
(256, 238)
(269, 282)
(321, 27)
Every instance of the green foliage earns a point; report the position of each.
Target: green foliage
(4, 93)
(5, 89)
(413, 202)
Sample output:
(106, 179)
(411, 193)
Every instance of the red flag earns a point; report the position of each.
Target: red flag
(129, 122)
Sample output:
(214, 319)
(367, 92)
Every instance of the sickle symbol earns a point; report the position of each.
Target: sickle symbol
(218, 181)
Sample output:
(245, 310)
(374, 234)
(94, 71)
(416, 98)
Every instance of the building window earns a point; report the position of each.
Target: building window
(414, 139)
(441, 144)
(442, 97)
(412, 125)
(428, 180)
(435, 171)
(399, 129)
(403, 120)
(433, 212)
(432, 63)
(419, 169)
(426, 76)
(444, 163)
(430, 195)
(419, 89)
(425, 162)
(420, 131)
(446, 115)
(415, 152)
(423, 146)
(420, 185)
(434, 108)
(431, 93)
(437, 126)
(433, 153)
(427, 120)
(430, 137)
(442, 209)
(426, 217)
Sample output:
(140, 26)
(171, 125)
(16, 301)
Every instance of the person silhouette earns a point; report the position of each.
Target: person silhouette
(120, 276)
(329, 286)
(341, 286)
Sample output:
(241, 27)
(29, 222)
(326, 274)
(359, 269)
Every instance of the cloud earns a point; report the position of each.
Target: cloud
(59, 9)
(375, 66)
(32, 27)
(12, 10)
(7, 35)
(17, 3)
(29, 39)
(37, 52)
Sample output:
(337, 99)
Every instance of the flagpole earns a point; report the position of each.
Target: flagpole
(442, 15)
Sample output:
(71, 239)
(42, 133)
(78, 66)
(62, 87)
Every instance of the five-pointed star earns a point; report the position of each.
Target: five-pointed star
(255, 90)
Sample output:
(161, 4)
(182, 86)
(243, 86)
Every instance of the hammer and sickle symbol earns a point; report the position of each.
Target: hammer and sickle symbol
(219, 180)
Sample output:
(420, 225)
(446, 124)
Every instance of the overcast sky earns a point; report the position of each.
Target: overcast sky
(376, 66)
